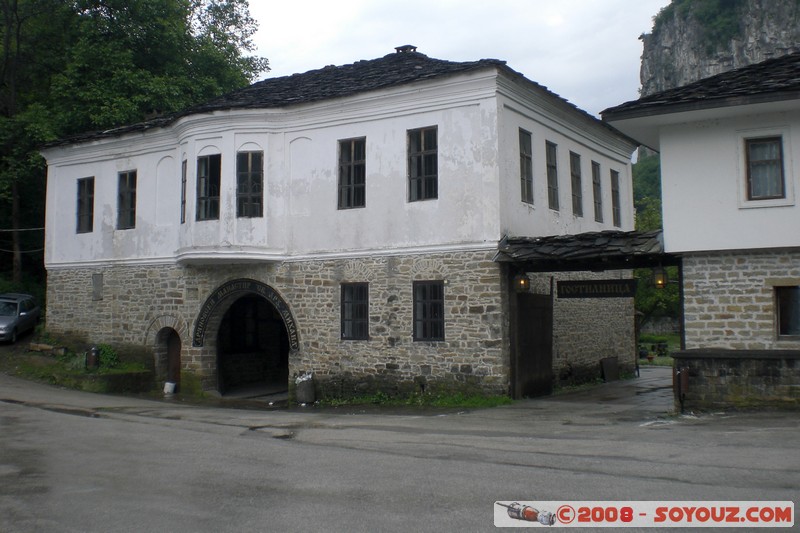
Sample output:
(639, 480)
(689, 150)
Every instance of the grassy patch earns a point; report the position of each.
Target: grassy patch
(472, 401)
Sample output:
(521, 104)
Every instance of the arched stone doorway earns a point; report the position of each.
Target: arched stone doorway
(247, 329)
(168, 356)
(252, 349)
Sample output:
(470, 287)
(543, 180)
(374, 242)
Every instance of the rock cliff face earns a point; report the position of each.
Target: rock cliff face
(694, 39)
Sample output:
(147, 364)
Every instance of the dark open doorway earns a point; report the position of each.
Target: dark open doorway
(252, 349)
(533, 353)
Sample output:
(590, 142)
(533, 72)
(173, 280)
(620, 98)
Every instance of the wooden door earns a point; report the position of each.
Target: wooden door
(533, 357)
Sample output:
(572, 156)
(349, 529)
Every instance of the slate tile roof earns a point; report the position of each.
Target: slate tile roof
(774, 79)
(400, 68)
(585, 251)
(403, 67)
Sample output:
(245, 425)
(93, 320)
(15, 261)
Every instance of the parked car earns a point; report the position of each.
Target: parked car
(18, 314)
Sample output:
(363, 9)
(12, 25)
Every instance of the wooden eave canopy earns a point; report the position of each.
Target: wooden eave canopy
(593, 251)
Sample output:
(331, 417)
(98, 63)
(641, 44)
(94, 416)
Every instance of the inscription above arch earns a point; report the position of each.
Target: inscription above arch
(240, 287)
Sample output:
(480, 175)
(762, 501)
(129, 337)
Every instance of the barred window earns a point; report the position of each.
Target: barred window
(423, 164)
(355, 311)
(597, 191)
(250, 184)
(209, 171)
(551, 153)
(577, 185)
(85, 211)
(184, 172)
(126, 200)
(526, 166)
(616, 208)
(428, 310)
(352, 173)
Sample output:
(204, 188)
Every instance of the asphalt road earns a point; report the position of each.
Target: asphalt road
(72, 461)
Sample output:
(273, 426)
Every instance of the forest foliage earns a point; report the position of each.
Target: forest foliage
(72, 66)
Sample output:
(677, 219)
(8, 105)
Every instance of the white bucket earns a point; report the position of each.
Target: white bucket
(169, 388)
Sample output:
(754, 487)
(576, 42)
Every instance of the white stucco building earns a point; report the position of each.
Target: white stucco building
(341, 221)
(730, 174)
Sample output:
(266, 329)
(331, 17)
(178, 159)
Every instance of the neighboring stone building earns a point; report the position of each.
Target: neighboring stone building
(730, 172)
(344, 222)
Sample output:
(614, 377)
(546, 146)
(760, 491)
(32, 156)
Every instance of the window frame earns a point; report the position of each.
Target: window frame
(250, 202)
(428, 311)
(126, 200)
(208, 199)
(422, 184)
(526, 166)
(84, 211)
(742, 137)
(576, 180)
(551, 162)
(352, 190)
(354, 311)
(597, 191)
(616, 207)
(780, 307)
(749, 163)
(184, 179)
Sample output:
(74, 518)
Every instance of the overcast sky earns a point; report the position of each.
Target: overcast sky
(587, 51)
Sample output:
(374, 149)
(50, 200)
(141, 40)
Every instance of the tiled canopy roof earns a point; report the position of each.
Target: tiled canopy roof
(774, 79)
(605, 250)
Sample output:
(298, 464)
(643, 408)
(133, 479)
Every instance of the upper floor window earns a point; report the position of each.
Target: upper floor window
(126, 200)
(423, 164)
(526, 166)
(551, 154)
(250, 184)
(765, 178)
(352, 173)
(209, 172)
(788, 305)
(597, 191)
(428, 310)
(85, 212)
(577, 185)
(616, 208)
(355, 311)
(184, 168)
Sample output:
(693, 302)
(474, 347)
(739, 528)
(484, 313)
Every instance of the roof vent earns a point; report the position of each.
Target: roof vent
(405, 48)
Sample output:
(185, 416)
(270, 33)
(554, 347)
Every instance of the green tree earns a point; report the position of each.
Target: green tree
(70, 66)
(652, 302)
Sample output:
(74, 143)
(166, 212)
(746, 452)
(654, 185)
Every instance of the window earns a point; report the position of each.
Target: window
(765, 180)
(126, 200)
(526, 166)
(423, 165)
(788, 305)
(615, 199)
(428, 310)
(250, 184)
(85, 223)
(184, 166)
(577, 186)
(209, 169)
(552, 175)
(597, 192)
(355, 311)
(352, 173)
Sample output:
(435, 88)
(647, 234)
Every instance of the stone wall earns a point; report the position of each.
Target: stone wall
(729, 299)
(720, 379)
(137, 301)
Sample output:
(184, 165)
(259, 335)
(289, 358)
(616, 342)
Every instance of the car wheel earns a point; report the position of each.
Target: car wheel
(14, 336)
